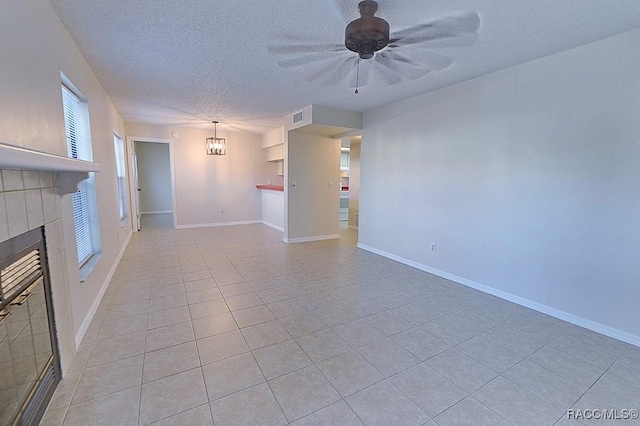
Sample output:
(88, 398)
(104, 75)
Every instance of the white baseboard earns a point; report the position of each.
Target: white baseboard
(310, 239)
(98, 299)
(556, 313)
(271, 225)
(158, 212)
(355, 228)
(209, 225)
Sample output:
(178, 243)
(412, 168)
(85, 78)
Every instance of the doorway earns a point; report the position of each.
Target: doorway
(350, 186)
(152, 179)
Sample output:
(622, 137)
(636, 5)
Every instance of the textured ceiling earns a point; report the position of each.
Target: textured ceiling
(189, 62)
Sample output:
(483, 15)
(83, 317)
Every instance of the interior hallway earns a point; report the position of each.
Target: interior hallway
(230, 325)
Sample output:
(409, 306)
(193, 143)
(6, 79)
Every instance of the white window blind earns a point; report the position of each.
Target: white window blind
(121, 175)
(82, 224)
(76, 117)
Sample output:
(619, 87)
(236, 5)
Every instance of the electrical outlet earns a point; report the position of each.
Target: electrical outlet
(434, 247)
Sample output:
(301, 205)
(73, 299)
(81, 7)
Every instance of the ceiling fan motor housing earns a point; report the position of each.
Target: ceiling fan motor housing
(367, 34)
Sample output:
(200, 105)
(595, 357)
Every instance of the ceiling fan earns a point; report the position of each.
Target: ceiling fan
(391, 57)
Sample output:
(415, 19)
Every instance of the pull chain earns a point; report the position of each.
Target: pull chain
(357, 74)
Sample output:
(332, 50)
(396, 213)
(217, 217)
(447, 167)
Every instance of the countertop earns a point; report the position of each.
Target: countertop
(271, 187)
(281, 188)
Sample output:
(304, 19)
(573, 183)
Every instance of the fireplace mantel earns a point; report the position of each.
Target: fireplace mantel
(70, 171)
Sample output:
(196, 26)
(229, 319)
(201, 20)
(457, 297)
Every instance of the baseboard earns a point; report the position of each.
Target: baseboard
(310, 239)
(103, 289)
(158, 212)
(209, 225)
(556, 313)
(271, 225)
(355, 228)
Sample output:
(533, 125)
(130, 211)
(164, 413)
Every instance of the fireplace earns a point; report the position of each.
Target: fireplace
(32, 187)
(29, 362)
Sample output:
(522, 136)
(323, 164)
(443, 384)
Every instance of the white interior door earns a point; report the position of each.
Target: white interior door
(136, 166)
(136, 188)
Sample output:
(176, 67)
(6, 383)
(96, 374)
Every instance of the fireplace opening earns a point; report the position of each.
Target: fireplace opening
(29, 361)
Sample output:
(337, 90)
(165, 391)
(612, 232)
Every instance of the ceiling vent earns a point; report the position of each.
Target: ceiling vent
(297, 117)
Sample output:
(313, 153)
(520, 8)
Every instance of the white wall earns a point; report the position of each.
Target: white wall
(206, 184)
(272, 172)
(35, 48)
(526, 179)
(312, 207)
(154, 177)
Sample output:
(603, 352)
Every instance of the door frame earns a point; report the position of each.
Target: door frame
(133, 190)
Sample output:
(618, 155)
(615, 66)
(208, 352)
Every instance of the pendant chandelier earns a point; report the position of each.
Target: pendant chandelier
(216, 145)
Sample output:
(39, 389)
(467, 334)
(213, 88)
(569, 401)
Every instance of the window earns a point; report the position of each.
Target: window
(122, 178)
(85, 216)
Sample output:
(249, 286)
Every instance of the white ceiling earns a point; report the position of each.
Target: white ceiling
(189, 62)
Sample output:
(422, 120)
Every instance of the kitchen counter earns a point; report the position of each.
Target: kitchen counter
(271, 187)
(273, 206)
(281, 187)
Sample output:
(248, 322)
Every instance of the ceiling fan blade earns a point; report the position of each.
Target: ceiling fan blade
(287, 49)
(305, 59)
(397, 56)
(436, 61)
(340, 73)
(321, 74)
(454, 30)
(387, 69)
(389, 76)
(404, 68)
(460, 40)
(425, 59)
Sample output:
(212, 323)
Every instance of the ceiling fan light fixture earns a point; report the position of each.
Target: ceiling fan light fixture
(406, 54)
(367, 34)
(366, 50)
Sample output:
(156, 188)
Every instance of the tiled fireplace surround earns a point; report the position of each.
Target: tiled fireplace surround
(28, 200)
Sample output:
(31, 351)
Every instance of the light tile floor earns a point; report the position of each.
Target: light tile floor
(229, 325)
